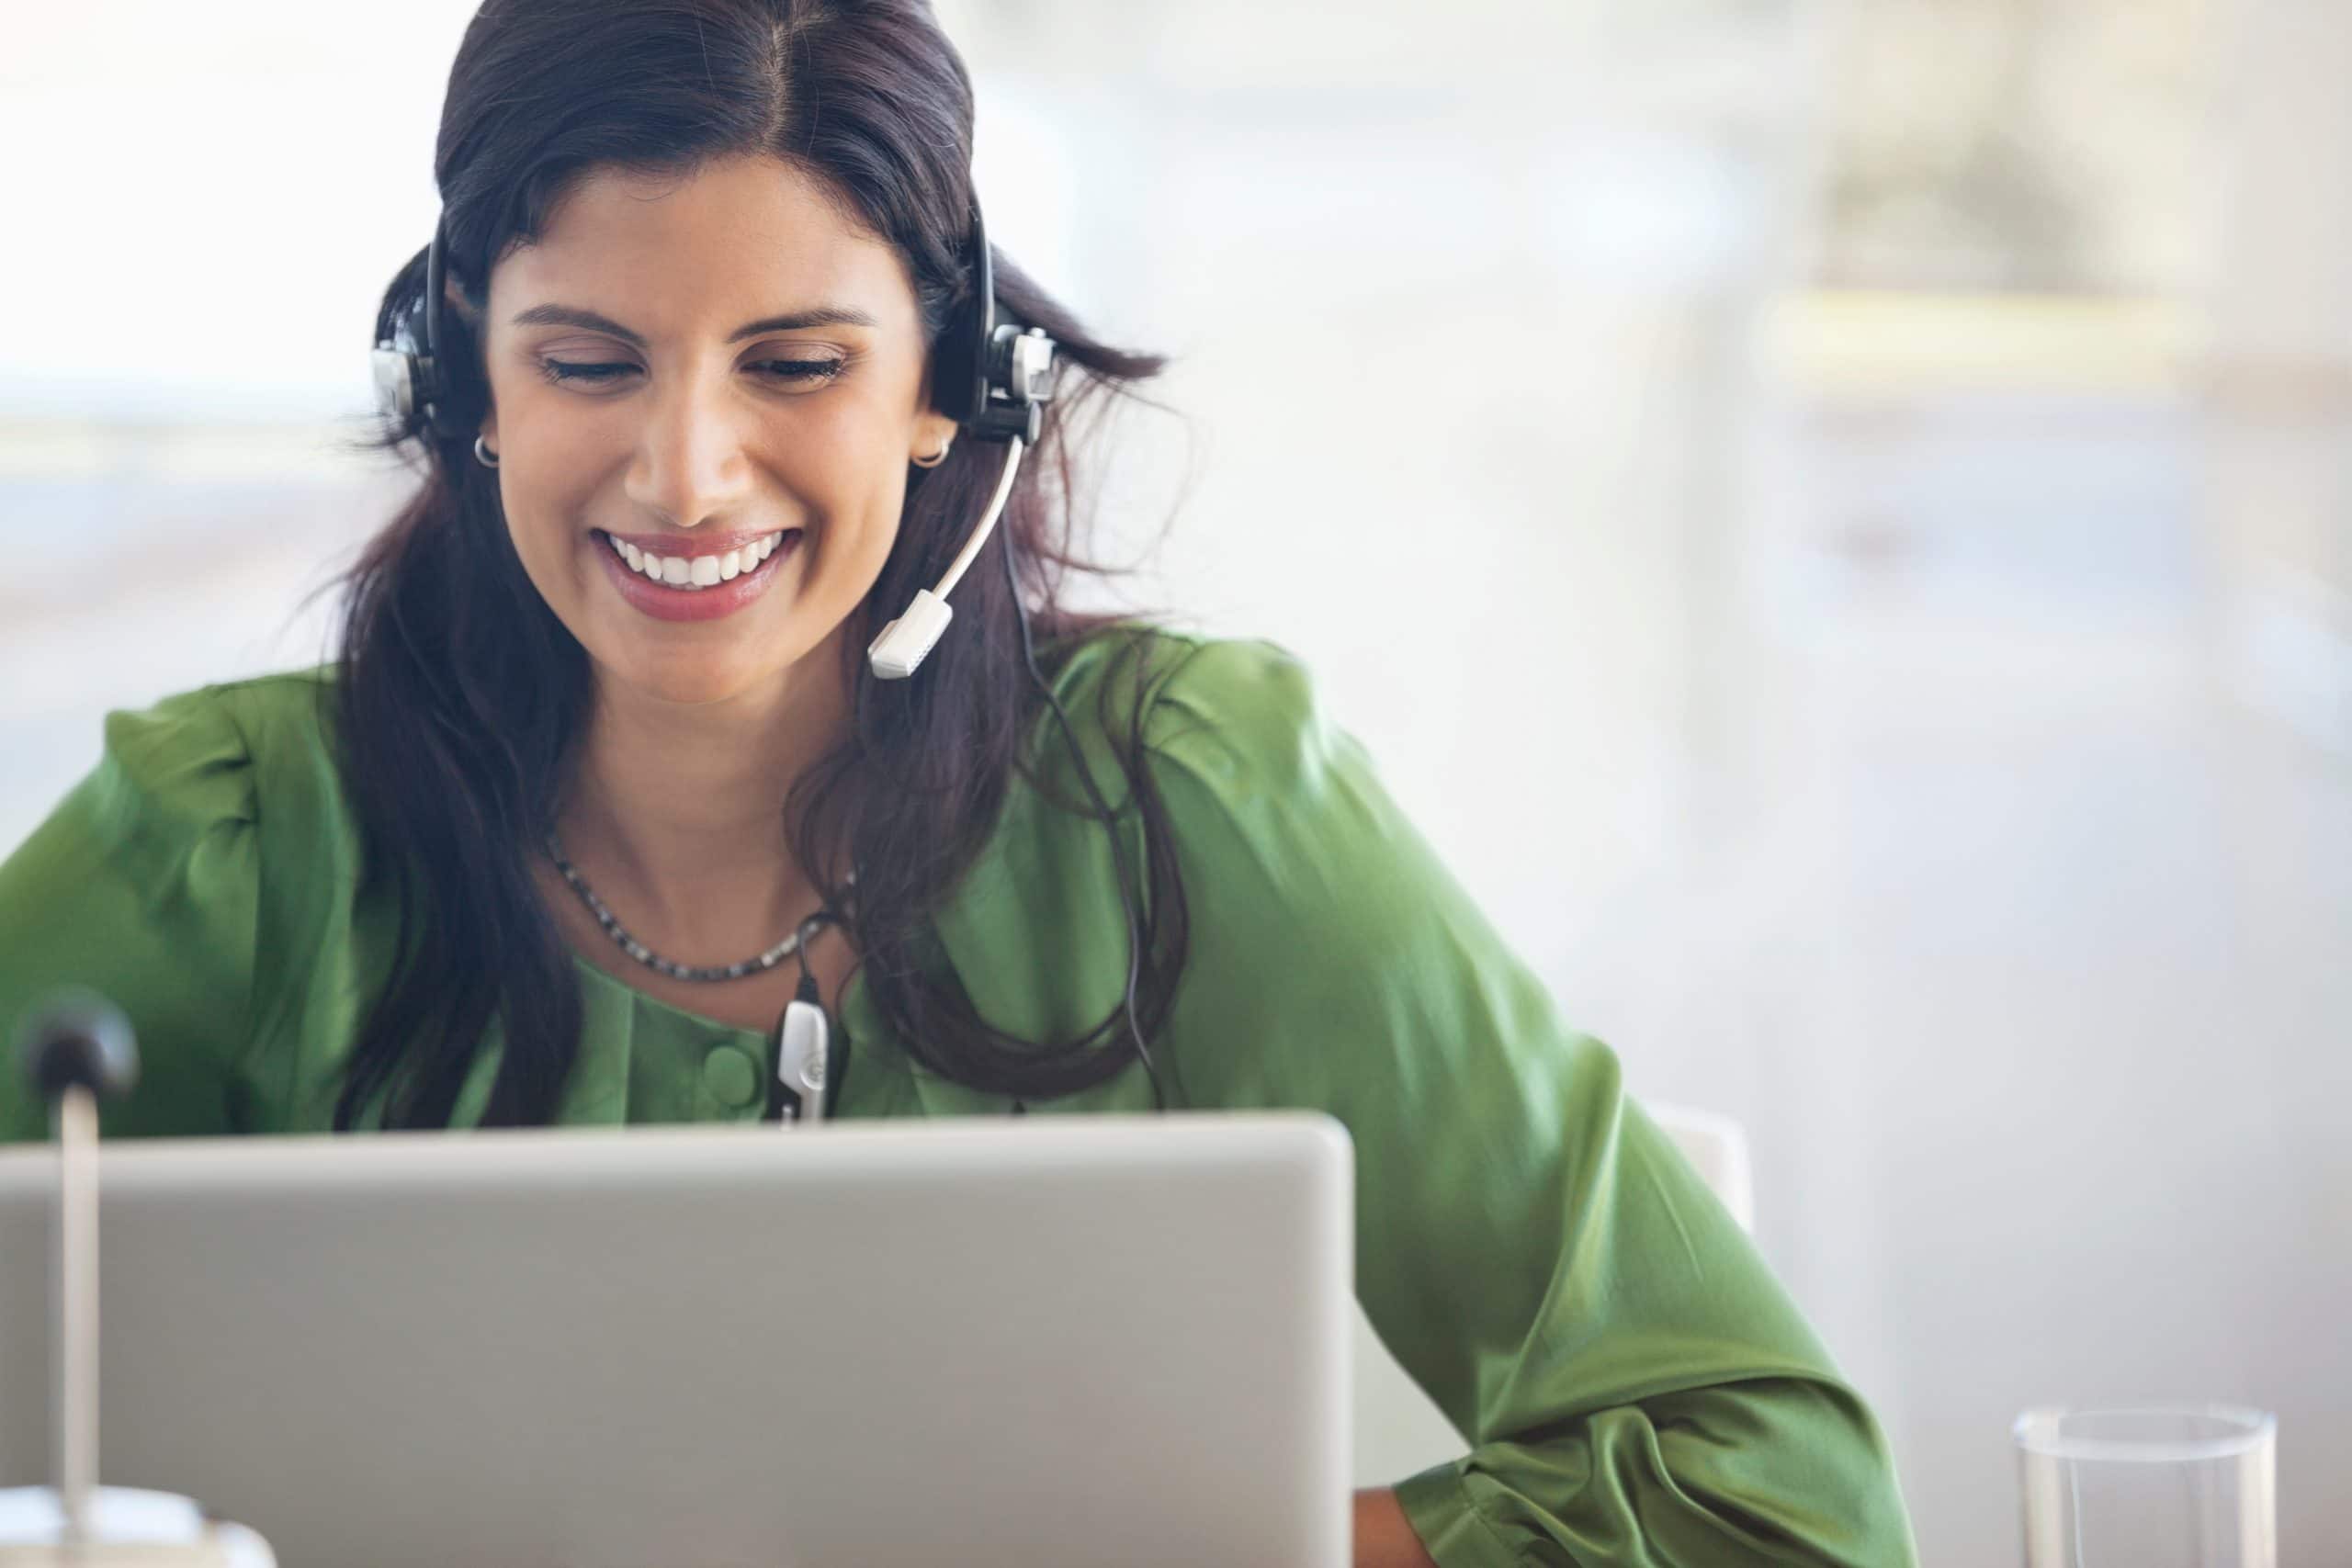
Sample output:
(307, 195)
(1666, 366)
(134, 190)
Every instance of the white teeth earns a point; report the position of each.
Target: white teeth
(696, 571)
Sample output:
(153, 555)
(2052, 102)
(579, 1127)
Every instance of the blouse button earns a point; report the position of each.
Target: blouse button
(732, 1075)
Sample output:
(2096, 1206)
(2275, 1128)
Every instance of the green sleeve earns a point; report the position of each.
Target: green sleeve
(1637, 1388)
(141, 885)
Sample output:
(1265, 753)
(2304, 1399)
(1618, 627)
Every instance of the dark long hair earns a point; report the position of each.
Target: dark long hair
(460, 694)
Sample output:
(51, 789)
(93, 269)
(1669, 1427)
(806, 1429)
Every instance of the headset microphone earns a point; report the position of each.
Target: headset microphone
(995, 378)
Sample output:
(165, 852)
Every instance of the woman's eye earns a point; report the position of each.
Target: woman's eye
(568, 370)
(806, 371)
(814, 370)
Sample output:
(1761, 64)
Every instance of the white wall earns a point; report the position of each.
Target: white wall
(207, 200)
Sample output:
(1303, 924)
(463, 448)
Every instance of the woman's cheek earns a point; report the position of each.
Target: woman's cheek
(540, 516)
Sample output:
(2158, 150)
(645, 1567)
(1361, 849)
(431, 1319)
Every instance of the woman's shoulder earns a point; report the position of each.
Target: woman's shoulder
(228, 779)
(270, 709)
(218, 748)
(1237, 713)
(148, 882)
(1206, 730)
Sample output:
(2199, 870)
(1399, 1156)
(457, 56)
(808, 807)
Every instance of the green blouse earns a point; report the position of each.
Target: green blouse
(1636, 1386)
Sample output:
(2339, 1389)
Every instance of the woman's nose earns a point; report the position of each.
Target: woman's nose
(690, 465)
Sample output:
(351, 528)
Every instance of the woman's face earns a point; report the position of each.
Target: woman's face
(699, 371)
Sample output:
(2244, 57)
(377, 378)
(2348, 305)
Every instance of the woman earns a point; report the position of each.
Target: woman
(604, 780)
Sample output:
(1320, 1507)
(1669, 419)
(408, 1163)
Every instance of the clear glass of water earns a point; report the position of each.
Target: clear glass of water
(2183, 1487)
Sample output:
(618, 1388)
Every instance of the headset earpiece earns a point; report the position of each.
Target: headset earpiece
(959, 378)
(990, 374)
(413, 370)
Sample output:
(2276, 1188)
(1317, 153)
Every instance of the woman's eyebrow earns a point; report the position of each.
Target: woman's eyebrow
(794, 320)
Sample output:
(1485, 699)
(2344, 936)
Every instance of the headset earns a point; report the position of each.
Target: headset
(993, 376)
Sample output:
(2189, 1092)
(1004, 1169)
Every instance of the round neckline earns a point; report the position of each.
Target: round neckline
(853, 996)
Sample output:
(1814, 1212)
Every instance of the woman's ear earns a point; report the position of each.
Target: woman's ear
(933, 434)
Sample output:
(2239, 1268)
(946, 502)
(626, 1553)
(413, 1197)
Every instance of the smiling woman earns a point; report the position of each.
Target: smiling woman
(603, 815)
(695, 374)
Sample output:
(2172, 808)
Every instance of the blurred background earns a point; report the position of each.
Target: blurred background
(1835, 515)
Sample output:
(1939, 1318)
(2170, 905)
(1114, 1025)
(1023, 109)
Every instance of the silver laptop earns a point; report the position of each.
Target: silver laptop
(1049, 1341)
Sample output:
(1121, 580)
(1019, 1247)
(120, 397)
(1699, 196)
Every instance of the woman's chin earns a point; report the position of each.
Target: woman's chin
(687, 677)
(699, 671)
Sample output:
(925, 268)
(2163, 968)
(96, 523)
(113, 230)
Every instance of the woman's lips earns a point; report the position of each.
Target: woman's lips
(664, 602)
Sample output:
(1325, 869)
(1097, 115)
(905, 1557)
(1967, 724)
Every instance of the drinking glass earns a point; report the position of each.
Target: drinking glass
(2183, 1487)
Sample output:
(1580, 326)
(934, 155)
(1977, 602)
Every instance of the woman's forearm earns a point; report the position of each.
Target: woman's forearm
(1384, 1538)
